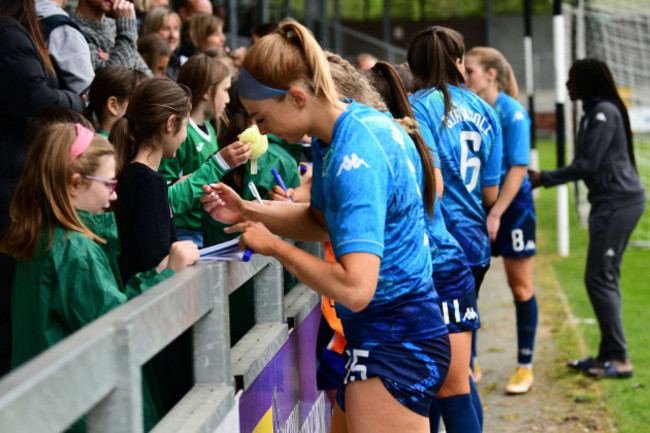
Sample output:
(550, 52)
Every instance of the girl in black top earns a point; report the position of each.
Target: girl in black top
(154, 126)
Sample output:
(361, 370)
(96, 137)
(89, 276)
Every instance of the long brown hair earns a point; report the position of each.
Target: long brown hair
(491, 58)
(24, 12)
(202, 73)
(199, 27)
(112, 80)
(152, 103)
(42, 198)
(289, 55)
(432, 57)
(388, 83)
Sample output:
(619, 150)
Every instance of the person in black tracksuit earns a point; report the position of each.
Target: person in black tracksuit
(605, 161)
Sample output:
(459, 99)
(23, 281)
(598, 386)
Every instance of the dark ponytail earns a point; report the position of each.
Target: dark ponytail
(388, 83)
(432, 56)
(112, 80)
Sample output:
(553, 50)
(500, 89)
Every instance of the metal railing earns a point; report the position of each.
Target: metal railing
(350, 41)
(97, 371)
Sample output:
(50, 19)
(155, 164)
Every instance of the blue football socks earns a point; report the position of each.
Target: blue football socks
(526, 328)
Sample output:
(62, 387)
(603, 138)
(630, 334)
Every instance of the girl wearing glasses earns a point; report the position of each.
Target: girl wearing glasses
(66, 245)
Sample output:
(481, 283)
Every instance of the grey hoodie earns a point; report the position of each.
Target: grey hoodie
(68, 50)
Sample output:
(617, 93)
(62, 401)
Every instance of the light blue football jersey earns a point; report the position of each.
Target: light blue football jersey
(452, 275)
(365, 185)
(515, 124)
(468, 146)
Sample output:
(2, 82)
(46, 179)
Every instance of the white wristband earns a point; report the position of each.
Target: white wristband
(222, 162)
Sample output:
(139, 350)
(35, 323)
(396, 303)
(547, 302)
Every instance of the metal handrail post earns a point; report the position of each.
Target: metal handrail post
(211, 337)
(269, 294)
(121, 410)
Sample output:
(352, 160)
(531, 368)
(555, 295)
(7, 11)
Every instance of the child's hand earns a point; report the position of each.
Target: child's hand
(236, 154)
(182, 254)
(222, 203)
(277, 193)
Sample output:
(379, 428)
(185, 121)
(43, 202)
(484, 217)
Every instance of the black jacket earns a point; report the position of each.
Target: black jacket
(601, 158)
(24, 87)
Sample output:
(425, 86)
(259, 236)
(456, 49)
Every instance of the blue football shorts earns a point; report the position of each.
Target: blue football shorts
(516, 236)
(412, 372)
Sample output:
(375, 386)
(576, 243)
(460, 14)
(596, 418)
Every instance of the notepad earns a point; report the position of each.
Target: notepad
(226, 251)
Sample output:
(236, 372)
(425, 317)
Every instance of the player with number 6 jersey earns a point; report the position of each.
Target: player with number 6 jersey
(464, 135)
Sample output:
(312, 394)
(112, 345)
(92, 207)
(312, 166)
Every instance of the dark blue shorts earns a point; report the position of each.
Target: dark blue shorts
(516, 236)
(461, 314)
(330, 365)
(412, 372)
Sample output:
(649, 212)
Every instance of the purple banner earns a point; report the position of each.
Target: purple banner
(285, 393)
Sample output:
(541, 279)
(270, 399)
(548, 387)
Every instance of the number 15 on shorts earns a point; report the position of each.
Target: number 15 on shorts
(355, 368)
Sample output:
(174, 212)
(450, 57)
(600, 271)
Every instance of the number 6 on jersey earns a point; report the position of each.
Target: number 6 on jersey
(467, 137)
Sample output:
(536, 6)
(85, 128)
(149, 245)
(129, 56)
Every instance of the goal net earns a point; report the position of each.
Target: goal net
(618, 32)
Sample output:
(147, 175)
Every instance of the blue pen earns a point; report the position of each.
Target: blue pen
(279, 180)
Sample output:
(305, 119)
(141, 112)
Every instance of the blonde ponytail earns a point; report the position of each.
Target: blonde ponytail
(292, 54)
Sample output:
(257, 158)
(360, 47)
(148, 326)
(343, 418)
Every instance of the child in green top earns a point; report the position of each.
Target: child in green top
(66, 246)
(209, 81)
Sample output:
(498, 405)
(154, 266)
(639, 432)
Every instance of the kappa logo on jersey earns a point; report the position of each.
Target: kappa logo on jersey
(518, 116)
(350, 163)
(199, 147)
(601, 117)
(530, 245)
(470, 314)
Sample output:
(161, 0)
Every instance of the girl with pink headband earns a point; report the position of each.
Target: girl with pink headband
(66, 245)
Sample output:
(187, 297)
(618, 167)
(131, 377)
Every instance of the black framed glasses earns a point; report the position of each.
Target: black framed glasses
(110, 183)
